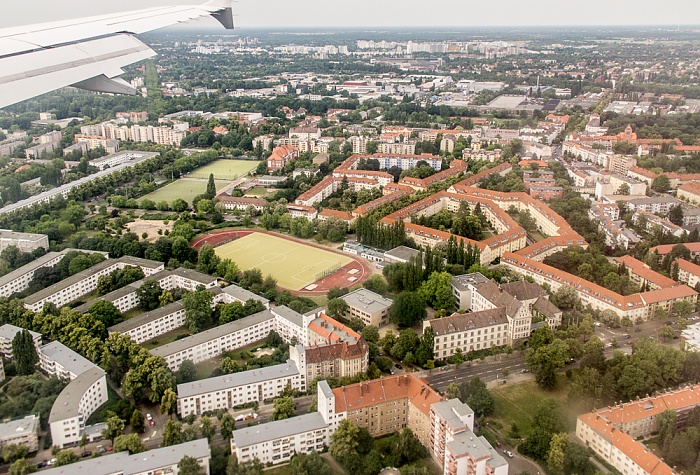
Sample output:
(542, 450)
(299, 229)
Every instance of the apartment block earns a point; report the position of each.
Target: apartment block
(56, 359)
(24, 242)
(22, 431)
(612, 432)
(473, 331)
(8, 333)
(159, 461)
(72, 408)
(688, 273)
(368, 306)
(232, 390)
(84, 282)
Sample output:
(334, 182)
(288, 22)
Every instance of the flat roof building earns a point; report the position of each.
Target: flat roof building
(22, 431)
(24, 242)
(368, 306)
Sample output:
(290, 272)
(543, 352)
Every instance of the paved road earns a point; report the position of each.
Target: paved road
(487, 371)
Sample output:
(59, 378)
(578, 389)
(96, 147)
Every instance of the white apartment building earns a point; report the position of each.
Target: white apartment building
(473, 331)
(463, 286)
(160, 461)
(119, 158)
(19, 279)
(24, 242)
(211, 343)
(278, 441)
(152, 324)
(232, 390)
(368, 306)
(397, 148)
(22, 431)
(84, 282)
(58, 360)
(72, 408)
(8, 333)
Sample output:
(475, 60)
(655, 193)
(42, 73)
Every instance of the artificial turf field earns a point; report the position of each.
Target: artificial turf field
(225, 169)
(183, 188)
(292, 264)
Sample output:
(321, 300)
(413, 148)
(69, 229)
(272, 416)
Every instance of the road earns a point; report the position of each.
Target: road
(487, 370)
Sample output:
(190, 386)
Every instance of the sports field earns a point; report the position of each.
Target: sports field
(183, 188)
(225, 169)
(294, 265)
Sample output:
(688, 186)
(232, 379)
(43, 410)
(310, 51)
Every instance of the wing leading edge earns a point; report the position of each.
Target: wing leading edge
(87, 52)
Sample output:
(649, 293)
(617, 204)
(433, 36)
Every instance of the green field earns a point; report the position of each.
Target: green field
(294, 265)
(225, 169)
(183, 188)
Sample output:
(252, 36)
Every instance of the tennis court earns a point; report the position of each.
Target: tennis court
(293, 264)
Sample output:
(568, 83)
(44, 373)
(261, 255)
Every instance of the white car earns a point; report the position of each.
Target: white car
(509, 453)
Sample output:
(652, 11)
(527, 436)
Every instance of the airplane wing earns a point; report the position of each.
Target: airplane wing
(87, 52)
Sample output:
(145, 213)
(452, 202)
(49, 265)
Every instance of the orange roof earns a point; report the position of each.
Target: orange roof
(392, 388)
(688, 267)
(664, 249)
(331, 213)
(643, 271)
(692, 187)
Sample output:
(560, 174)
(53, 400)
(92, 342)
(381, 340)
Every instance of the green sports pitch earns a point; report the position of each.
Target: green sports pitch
(293, 264)
(182, 188)
(225, 169)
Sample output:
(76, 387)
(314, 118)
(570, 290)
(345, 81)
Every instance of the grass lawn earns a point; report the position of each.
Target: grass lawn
(537, 237)
(258, 192)
(225, 169)
(294, 265)
(165, 339)
(183, 188)
(516, 403)
(286, 469)
(205, 368)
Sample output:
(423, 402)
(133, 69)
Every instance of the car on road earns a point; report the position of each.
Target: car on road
(525, 370)
(86, 454)
(51, 462)
(246, 417)
(509, 453)
(399, 366)
(150, 420)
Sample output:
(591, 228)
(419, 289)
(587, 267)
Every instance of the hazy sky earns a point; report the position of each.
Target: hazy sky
(371, 13)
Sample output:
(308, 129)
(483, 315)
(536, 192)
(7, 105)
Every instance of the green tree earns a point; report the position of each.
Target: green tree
(546, 361)
(345, 442)
(337, 308)
(211, 188)
(137, 422)
(22, 467)
(452, 391)
(114, 428)
(65, 457)
(309, 464)
(556, 457)
(228, 425)
(437, 291)
(13, 452)
(168, 402)
(187, 372)
(546, 423)
(131, 442)
(198, 310)
(284, 408)
(189, 466)
(149, 295)
(253, 467)
(370, 333)
(105, 312)
(24, 353)
(408, 447)
(172, 433)
(207, 428)
(661, 184)
(407, 309)
(476, 396)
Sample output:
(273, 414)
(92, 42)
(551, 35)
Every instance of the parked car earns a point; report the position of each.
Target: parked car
(246, 417)
(86, 454)
(101, 449)
(150, 420)
(509, 453)
(399, 366)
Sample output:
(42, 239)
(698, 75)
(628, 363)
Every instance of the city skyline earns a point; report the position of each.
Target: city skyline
(364, 13)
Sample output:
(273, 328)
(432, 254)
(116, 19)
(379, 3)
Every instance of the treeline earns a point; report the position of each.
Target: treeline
(374, 234)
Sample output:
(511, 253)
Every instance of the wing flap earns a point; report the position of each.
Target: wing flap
(31, 74)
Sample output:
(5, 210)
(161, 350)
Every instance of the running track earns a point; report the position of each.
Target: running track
(337, 279)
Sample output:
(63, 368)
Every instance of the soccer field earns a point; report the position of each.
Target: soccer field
(183, 188)
(294, 265)
(225, 169)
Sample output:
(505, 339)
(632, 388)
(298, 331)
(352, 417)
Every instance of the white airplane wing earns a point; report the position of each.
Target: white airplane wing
(87, 52)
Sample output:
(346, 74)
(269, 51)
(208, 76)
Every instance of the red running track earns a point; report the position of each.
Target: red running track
(337, 279)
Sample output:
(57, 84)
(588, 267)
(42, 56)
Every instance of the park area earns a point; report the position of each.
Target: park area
(225, 169)
(294, 265)
(184, 188)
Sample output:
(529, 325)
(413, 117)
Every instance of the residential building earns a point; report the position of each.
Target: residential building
(152, 324)
(463, 286)
(232, 390)
(58, 360)
(472, 331)
(24, 242)
(84, 282)
(688, 273)
(120, 158)
(664, 249)
(8, 333)
(23, 431)
(72, 408)
(280, 157)
(19, 279)
(368, 306)
(690, 337)
(241, 203)
(642, 275)
(159, 461)
(613, 432)
(278, 441)
(690, 192)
